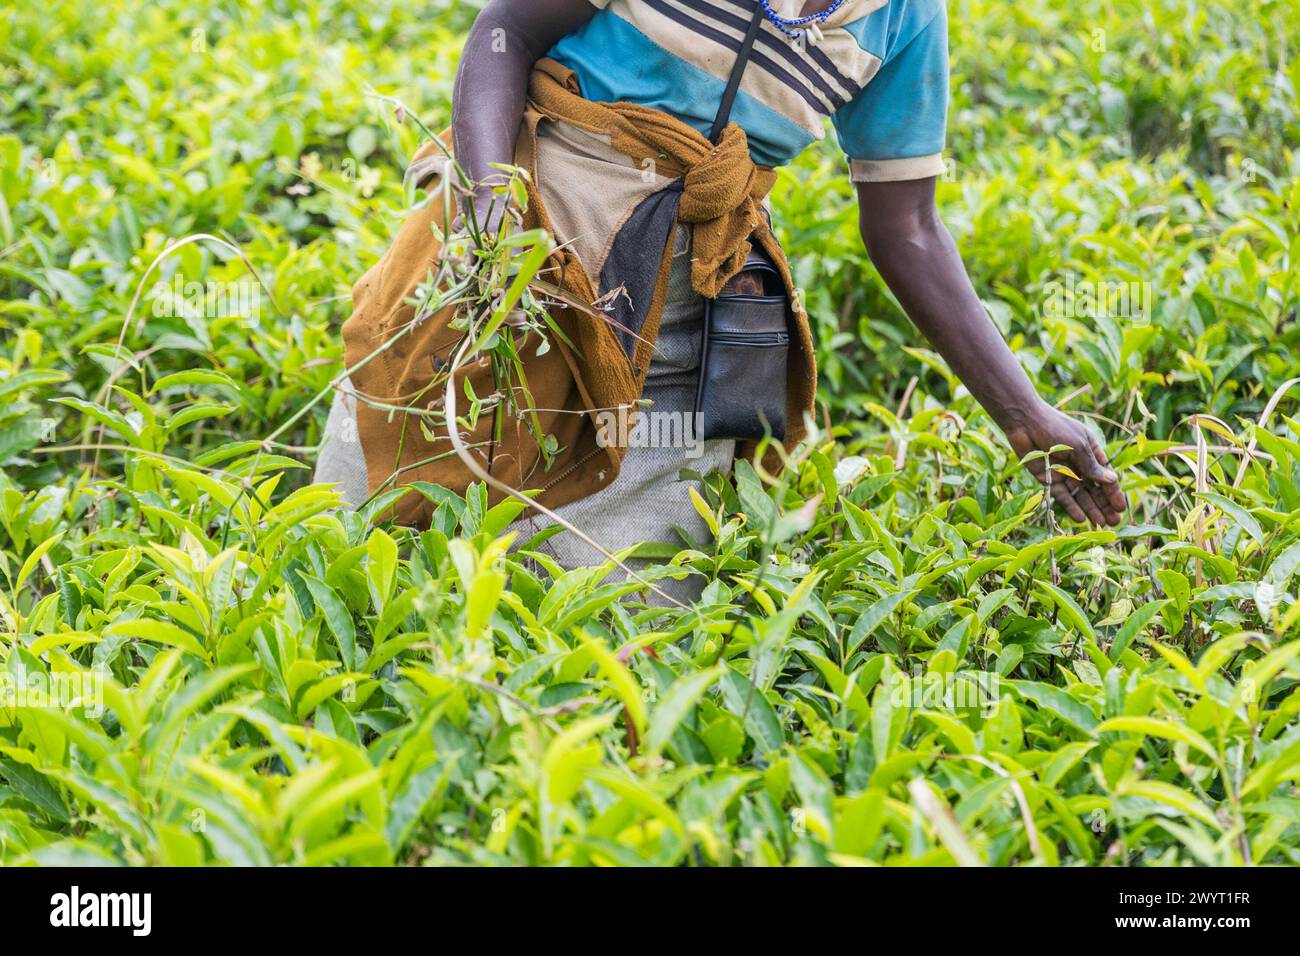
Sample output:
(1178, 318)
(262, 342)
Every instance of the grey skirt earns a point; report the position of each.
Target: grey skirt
(648, 501)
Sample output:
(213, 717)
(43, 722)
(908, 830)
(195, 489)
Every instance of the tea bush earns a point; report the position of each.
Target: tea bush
(900, 657)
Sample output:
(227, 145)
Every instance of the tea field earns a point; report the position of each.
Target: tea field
(901, 656)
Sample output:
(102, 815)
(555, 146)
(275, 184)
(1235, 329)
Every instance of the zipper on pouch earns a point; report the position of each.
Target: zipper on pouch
(757, 340)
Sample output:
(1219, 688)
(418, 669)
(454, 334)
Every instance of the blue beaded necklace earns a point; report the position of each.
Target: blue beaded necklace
(786, 25)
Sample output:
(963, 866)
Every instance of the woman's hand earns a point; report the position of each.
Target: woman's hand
(1095, 494)
(490, 207)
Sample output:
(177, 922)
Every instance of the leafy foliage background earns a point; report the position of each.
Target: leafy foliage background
(287, 683)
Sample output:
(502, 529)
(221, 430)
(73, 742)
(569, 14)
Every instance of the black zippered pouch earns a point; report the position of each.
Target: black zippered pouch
(743, 358)
(746, 342)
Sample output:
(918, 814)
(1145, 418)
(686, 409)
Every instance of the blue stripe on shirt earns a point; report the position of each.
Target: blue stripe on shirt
(903, 111)
(616, 62)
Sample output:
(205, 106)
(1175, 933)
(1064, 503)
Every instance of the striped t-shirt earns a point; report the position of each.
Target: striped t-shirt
(879, 71)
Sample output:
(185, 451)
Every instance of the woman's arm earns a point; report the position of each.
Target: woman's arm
(919, 260)
(491, 90)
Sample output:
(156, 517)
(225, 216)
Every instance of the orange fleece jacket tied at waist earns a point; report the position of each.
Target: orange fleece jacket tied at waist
(717, 190)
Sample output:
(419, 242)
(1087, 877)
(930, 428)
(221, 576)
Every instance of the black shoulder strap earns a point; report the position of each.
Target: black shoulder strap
(733, 82)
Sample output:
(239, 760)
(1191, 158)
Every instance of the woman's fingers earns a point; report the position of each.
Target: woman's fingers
(1111, 491)
(1097, 451)
(1083, 497)
(1079, 502)
(1099, 494)
(1067, 501)
(1088, 490)
(1090, 465)
(1100, 481)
